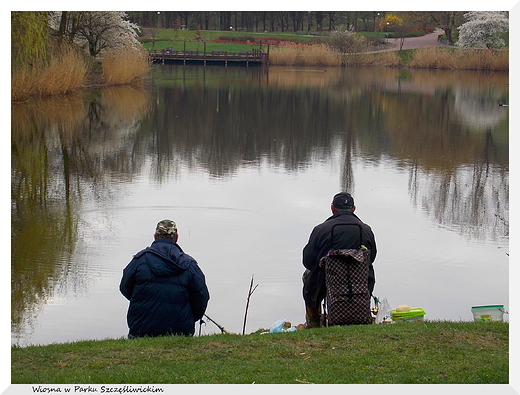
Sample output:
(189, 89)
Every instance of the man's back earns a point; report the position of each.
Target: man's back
(341, 231)
(166, 288)
(344, 236)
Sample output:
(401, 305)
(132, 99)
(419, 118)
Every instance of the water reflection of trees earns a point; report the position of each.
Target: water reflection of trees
(223, 128)
(41, 230)
(425, 121)
(63, 149)
(472, 198)
(459, 169)
(69, 150)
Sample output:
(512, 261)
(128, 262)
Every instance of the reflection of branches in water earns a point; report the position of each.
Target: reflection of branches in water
(346, 171)
(471, 198)
(474, 200)
(43, 243)
(61, 151)
(220, 130)
(413, 185)
(217, 124)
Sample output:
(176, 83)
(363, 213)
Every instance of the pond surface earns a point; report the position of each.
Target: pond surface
(246, 161)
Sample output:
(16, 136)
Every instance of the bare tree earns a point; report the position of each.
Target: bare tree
(447, 21)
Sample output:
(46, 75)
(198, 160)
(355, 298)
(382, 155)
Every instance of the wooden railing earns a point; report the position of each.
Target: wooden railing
(253, 56)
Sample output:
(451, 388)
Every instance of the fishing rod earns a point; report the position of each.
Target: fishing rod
(222, 329)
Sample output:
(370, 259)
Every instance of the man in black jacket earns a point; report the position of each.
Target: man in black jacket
(345, 237)
(166, 288)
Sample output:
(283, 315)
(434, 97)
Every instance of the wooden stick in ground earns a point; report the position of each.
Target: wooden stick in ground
(251, 290)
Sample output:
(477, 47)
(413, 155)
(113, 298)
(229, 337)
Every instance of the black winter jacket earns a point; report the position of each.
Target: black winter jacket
(345, 237)
(166, 289)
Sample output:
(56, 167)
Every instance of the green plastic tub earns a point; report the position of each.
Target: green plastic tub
(413, 315)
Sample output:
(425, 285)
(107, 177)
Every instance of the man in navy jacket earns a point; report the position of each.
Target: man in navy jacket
(345, 237)
(166, 288)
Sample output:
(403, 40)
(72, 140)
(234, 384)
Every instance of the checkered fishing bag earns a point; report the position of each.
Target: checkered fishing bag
(346, 281)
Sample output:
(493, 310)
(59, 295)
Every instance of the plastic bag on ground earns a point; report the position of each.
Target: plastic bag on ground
(281, 326)
(384, 313)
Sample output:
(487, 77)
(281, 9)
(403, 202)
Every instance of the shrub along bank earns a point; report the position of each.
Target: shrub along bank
(428, 352)
(69, 70)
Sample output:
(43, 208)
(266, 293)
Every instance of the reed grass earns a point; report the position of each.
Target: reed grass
(325, 55)
(128, 65)
(65, 72)
(460, 59)
(428, 57)
(304, 55)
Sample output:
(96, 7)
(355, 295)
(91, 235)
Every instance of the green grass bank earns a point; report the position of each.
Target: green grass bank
(429, 352)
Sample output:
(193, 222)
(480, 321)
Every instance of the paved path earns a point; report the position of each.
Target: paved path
(428, 40)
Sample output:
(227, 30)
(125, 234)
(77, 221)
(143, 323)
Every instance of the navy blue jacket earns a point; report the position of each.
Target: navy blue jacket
(166, 289)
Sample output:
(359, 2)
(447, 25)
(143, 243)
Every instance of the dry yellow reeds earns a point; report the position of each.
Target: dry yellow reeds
(304, 55)
(284, 55)
(460, 59)
(66, 71)
(428, 57)
(126, 66)
(433, 58)
(324, 55)
(484, 59)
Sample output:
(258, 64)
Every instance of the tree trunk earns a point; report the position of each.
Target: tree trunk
(448, 32)
(63, 24)
(319, 20)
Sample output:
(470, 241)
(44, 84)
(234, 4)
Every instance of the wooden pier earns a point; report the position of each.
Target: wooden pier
(254, 57)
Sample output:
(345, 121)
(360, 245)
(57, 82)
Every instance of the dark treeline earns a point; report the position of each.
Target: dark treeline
(296, 21)
(257, 20)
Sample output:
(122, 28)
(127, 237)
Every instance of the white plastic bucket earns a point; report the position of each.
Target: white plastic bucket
(488, 313)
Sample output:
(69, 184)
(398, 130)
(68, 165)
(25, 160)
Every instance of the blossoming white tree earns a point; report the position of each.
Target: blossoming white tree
(482, 29)
(96, 30)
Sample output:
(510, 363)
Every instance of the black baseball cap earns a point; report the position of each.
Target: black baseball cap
(343, 200)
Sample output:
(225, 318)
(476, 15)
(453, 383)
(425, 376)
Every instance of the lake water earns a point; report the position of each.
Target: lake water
(246, 161)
